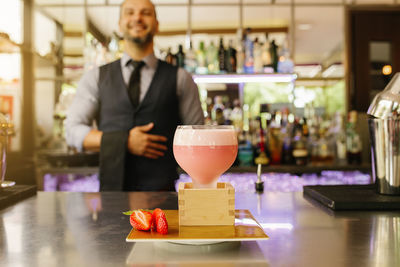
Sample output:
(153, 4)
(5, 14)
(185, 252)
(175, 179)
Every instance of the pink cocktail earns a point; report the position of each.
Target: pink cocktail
(205, 152)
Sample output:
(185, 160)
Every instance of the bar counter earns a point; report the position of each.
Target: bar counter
(89, 229)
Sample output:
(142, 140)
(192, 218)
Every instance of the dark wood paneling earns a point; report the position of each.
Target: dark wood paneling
(364, 25)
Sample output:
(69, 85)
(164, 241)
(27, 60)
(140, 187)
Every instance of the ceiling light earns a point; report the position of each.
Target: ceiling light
(304, 26)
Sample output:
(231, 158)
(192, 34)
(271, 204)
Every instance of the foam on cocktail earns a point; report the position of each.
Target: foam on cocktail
(205, 137)
(205, 153)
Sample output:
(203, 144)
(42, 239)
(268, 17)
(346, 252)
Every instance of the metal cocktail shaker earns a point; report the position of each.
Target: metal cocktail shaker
(384, 128)
(6, 129)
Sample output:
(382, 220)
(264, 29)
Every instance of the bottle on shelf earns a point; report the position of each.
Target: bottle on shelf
(201, 59)
(245, 150)
(230, 58)
(275, 144)
(222, 56)
(248, 52)
(340, 140)
(170, 58)
(237, 116)
(353, 141)
(274, 55)
(324, 149)
(240, 57)
(258, 63)
(266, 57)
(287, 149)
(299, 144)
(227, 113)
(218, 111)
(212, 59)
(190, 59)
(285, 64)
(287, 136)
(180, 57)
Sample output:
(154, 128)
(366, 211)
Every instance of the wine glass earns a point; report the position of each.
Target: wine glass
(205, 152)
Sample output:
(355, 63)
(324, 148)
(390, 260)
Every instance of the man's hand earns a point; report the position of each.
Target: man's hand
(92, 140)
(141, 143)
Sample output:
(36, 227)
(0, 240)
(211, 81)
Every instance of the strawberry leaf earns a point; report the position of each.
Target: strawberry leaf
(128, 212)
(131, 211)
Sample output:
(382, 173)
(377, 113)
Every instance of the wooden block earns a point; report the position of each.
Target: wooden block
(206, 206)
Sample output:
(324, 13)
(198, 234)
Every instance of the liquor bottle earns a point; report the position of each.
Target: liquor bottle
(237, 116)
(275, 145)
(285, 64)
(287, 148)
(170, 57)
(266, 57)
(222, 56)
(212, 58)
(218, 111)
(274, 55)
(300, 151)
(190, 59)
(227, 113)
(340, 148)
(230, 58)
(201, 59)
(180, 57)
(258, 64)
(248, 53)
(245, 151)
(353, 141)
(240, 57)
(324, 148)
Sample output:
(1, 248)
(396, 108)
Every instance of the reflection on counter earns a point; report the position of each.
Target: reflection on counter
(243, 182)
(229, 254)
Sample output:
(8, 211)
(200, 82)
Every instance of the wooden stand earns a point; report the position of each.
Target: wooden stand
(206, 206)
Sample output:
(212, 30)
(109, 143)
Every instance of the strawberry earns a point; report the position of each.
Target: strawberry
(141, 220)
(160, 221)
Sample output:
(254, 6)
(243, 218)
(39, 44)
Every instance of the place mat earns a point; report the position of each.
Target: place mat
(246, 228)
(351, 197)
(13, 194)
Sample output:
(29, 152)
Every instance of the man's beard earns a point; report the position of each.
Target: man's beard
(140, 41)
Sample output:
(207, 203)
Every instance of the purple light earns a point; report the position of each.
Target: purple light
(71, 183)
(285, 182)
(243, 182)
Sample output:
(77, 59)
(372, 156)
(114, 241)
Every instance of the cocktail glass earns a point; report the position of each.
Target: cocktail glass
(205, 152)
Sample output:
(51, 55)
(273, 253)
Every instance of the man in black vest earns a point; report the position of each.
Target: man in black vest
(136, 102)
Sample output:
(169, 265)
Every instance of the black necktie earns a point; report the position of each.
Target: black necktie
(134, 83)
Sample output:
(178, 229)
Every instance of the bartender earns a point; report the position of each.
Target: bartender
(136, 102)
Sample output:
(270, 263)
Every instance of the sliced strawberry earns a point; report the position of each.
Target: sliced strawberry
(141, 220)
(162, 226)
(153, 221)
(160, 221)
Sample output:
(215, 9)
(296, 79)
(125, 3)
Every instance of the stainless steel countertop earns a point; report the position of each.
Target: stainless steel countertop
(88, 229)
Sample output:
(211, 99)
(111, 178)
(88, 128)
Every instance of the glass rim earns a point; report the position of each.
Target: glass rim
(205, 127)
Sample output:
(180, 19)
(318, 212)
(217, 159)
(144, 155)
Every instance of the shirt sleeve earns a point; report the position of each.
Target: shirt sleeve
(83, 110)
(189, 100)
